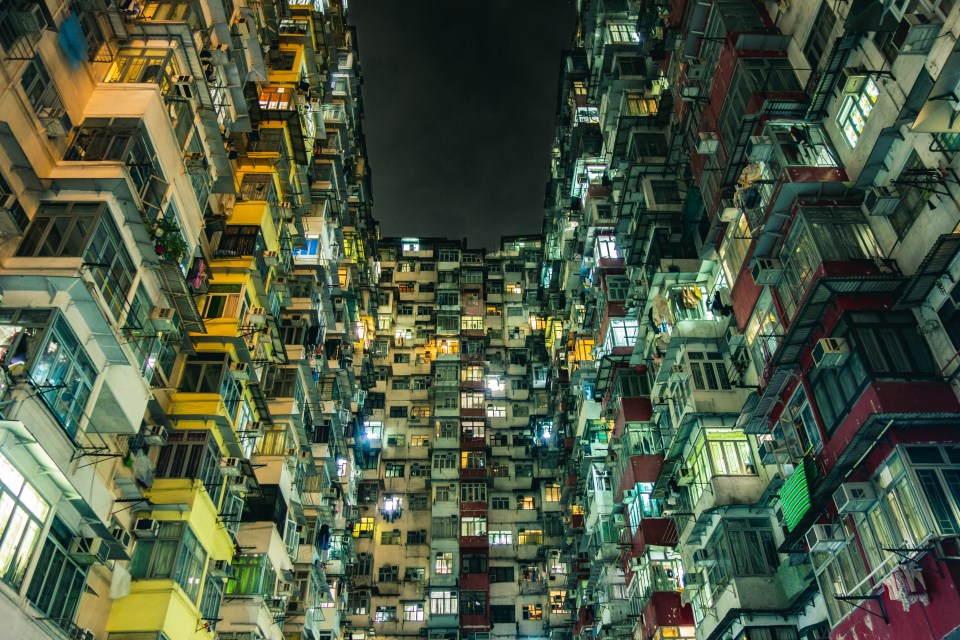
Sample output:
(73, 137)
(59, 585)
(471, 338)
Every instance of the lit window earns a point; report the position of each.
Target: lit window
(443, 564)
(363, 528)
(607, 247)
(551, 493)
(622, 33)
(23, 513)
(443, 602)
(526, 503)
(532, 612)
(494, 411)
(500, 537)
(532, 536)
(385, 614)
(856, 109)
(472, 526)
(413, 612)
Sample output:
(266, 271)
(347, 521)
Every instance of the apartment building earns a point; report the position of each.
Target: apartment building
(715, 399)
(750, 244)
(187, 273)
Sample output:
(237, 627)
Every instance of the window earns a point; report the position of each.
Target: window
(500, 502)
(87, 231)
(819, 37)
(358, 602)
(526, 503)
(58, 581)
(473, 526)
(499, 538)
(401, 358)
(473, 460)
(418, 502)
(175, 554)
(473, 492)
(501, 613)
(413, 612)
(913, 196)
(736, 243)
(623, 332)
(363, 528)
(532, 612)
(415, 574)
(445, 460)
(396, 440)
(530, 536)
(501, 574)
(621, 33)
(417, 537)
(856, 110)
(192, 454)
(708, 370)
(390, 537)
(496, 411)
(393, 470)
(43, 96)
(253, 574)
(388, 573)
(443, 602)
(24, 512)
(473, 563)
(419, 470)
(473, 603)
(398, 412)
(443, 565)
(500, 470)
(385, 614)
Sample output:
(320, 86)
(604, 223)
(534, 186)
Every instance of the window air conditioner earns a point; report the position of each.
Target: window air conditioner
(256, 315)
(684, 476)
(271, 258)
(881, 201)
(760, 149)
(146, 528)
(854, 497)
(162, 319)
(221, 569)
(238, 370)
(154, 435)
(183, 87)
(704, 558)
(830, 352)
(9, 224)
(708, 143)
(230, 466)
(825, 538)
(88, 550)
(767, 271)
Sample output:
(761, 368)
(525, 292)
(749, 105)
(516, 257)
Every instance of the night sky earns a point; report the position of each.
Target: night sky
(459, 102)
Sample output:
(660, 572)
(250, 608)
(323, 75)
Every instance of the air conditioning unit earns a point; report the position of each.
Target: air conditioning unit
(121, 535)
(730, 213)
(692, 580)
(78, 633)
(708, 143)
(271, 258)
(684, 476)
(183, 87)
(923, 31)
(854, 85)
(256, 315)
(854, 497)
(830, 352)
(285, 590)
(237, 484)
(881, 201)
(230, 466)
(9, 224)
(146, 528)
(696, 71)
(825, 538)
(88, 550)
(690, 91)
(238, 370)
(154, 435)
(162, 319)
(704, 558)
(767, 271)
(760, 149)
(221, 569)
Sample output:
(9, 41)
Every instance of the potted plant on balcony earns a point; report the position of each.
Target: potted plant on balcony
(167, 239)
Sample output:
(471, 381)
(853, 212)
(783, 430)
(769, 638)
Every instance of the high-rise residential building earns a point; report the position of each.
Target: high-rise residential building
(715, 399)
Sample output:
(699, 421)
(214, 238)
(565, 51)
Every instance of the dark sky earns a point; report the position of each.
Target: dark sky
(459, 101)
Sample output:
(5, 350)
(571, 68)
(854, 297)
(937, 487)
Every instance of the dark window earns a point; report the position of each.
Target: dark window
(502, 613)
(913, 195)
(473, 603)
(819, 36)
(398, 412)
(240, 240)
(473, 563)
(501, 574)
(58, 581)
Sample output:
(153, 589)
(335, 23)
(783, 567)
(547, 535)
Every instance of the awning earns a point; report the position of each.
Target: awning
(938, 114)
(795, 493)
(181, 297)
(932, 268)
